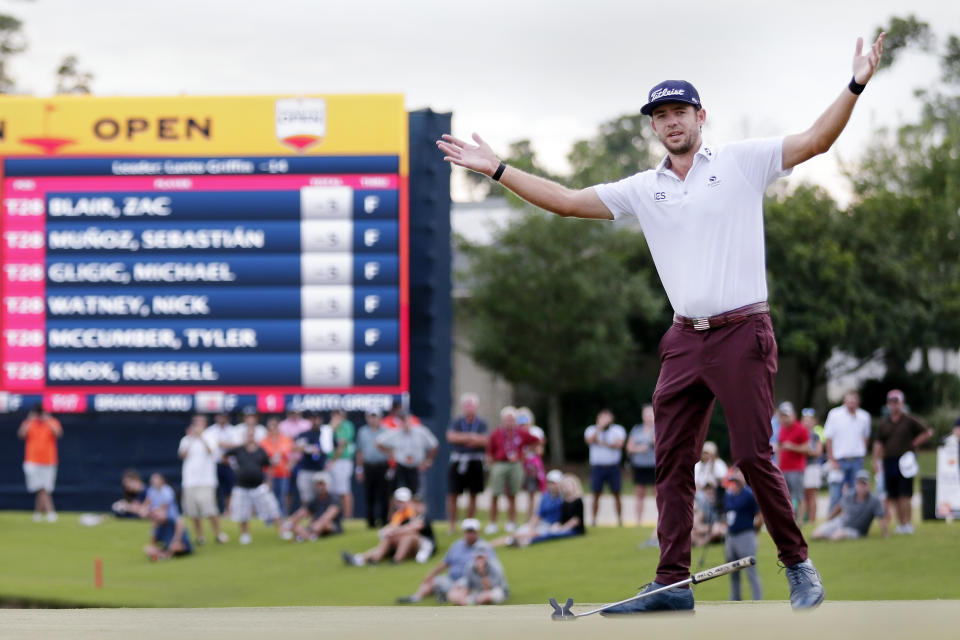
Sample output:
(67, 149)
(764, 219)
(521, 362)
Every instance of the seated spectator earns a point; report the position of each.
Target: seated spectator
(853, 515)
(159, 494)
(711, 468)
(169, 537)
(571, 521)
(408, 534)
(484, 583)
(440, 580)
(252, 491)
(548, 513)
(707, 525)
(324, 512)
(134, 493)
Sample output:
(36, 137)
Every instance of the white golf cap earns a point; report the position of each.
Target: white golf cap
(324, 477)
(470, 524)
(555, 475)
(402, 494)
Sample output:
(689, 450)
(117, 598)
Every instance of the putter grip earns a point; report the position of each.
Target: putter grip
(723, 569)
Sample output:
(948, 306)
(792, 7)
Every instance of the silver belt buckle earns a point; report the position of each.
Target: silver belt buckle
(701, 324)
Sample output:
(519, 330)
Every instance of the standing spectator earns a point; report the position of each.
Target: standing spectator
(852, 516)
(741, 541)
(642, 459)
(454, 566)
(393, 419)
(252, 492)
(813, 474)
(484, 583)
(372, 466)
(324, 512)
(251, 418)
(223, 433)
(280, 449)
(294, 424)
(846, 430)
(467, 436)
(313, 446)
(534, 474)
(198, 478)
(413, 447)
(341, 468)
(40, 432)
(895, 446)
(505, 457)
(606, 441)
(793, 445)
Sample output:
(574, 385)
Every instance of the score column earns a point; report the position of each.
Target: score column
(350, 286)
(23, 311)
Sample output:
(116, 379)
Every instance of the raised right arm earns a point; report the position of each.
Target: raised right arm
(546, 194)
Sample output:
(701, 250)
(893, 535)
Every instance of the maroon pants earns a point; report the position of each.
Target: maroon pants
(736, 364)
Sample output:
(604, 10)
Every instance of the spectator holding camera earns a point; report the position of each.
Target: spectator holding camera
(198, 478)
(40, 432)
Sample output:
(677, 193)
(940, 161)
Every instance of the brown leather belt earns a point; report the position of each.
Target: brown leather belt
(730, 317)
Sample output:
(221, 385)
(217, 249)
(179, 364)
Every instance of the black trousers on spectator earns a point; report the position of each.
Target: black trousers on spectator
(376, 489)
(408, 477)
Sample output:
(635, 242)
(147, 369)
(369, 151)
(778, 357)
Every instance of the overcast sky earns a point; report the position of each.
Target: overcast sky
(546, 70)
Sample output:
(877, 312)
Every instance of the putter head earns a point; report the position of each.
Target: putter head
(562, 613)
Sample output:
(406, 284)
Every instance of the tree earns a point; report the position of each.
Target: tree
(551, 304)
(813, 280)
(71, 80)
(12, 42)
(908, 186)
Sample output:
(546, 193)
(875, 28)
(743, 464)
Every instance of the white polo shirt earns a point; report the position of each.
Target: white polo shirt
(847, 432)
(705, 232)
(605, 455)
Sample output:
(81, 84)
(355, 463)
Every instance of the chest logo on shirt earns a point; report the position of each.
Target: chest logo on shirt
(660, 196)
(713, 181)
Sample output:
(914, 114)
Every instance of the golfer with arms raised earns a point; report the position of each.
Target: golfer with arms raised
(701, 210)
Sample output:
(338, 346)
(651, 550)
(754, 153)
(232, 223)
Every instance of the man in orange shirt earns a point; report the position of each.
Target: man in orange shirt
(280, 449)
(40, 431)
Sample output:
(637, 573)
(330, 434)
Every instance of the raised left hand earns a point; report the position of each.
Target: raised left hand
(865, 65)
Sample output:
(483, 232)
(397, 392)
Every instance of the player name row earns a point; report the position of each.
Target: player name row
(334, 370)
(278, 237)
(191, 335)
(305, 203)
(239, 302)
(307, 269)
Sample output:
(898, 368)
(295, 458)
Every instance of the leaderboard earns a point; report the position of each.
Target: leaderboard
(235, 272)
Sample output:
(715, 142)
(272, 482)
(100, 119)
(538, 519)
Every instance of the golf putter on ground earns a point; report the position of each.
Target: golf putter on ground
(564, 612)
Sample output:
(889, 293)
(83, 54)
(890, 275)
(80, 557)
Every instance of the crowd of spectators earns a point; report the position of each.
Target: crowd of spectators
(297, 472)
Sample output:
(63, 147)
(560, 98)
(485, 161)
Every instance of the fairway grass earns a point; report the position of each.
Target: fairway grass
(53, 564)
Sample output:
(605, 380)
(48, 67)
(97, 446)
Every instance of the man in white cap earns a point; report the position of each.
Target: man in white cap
(406, 535)
(549, 512)
(453, 567)
(894, 447)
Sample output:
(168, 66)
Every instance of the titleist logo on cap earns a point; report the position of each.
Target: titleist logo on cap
(666, 91)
